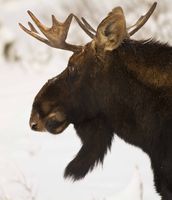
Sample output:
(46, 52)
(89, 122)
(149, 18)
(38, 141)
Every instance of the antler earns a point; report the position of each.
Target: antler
(89, 30)
(56, 35)
(142, 20)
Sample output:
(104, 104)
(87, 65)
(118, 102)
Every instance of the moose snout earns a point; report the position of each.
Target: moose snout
(36, 123)
(34, 126)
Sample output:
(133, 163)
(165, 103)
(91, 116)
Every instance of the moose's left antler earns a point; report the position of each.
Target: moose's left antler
(56, 35)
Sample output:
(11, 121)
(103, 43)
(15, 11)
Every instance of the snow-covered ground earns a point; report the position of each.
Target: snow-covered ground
(32, 164)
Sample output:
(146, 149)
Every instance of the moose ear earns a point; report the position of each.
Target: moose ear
(111, 31)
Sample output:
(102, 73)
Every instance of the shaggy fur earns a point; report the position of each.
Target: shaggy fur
(127, 92)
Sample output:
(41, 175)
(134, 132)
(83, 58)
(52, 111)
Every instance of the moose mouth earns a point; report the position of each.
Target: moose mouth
(56, 127)
(54, 123)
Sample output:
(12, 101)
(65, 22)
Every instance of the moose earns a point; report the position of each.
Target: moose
(112, 85)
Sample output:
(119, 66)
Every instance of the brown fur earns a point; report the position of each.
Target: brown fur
(113, 85)
(116, 95)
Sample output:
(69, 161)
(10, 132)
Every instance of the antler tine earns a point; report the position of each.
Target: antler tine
(34, 34)
(88, 25)
(85, 27)
(56, 35)
(142, 20)
(32, 28)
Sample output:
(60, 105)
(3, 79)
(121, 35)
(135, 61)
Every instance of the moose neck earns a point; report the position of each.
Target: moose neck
(135, 118)
(149, 61)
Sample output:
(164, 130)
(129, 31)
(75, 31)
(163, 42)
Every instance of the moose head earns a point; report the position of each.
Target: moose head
(73, 96)
(113, 84)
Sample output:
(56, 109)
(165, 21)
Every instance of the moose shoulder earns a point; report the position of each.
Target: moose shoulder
(112, 85)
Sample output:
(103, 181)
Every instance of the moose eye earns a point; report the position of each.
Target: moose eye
(73, 72)
(71, 69)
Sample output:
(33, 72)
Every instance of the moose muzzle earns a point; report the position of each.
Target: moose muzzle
(54, 123)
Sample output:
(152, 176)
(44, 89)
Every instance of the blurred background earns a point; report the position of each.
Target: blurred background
(32, 164)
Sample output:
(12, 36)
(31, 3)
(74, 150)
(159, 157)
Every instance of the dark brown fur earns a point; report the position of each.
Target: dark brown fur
(122, 93)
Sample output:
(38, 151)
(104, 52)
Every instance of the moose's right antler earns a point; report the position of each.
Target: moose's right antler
(89, 30)
(142, 20)
(56, 35)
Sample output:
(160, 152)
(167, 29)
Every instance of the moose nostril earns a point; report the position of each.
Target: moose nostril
(34, 126)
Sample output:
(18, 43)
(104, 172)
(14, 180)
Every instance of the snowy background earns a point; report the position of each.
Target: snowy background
(32, 164)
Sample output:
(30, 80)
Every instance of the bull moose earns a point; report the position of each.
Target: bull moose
(112, 85)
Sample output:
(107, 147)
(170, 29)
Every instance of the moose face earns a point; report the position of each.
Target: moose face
(54, 104)
(47, 111)
(72, 95)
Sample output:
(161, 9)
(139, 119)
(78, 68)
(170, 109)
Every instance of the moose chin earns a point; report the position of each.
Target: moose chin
(112, 85)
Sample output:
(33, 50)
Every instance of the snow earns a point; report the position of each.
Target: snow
(133, 191)
(32, 164)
